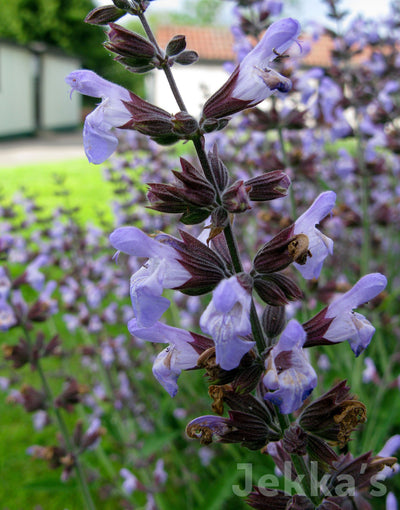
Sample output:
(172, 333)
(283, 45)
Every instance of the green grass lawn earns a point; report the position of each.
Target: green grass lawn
(84, 181)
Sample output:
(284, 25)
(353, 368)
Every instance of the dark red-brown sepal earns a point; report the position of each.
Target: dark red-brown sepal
(192, 196)
(316, 328)
(150, 120)
(276, 289)
(248, 430)
(104, 14)
(282, 250)
(361, 470)
(222, 104)
(206, 267)
(235, 198)
(243, 379)
(271, 499)
(132, 50)
(334, 415)
(218, 168)
(268, 186)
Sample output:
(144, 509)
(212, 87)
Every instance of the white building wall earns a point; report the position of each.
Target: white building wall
(196, 84)
(58, 110)
(17, 90)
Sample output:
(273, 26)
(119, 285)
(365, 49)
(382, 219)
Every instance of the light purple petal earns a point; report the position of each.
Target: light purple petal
(391, 446)
(367, 288)
(169, 364)
(391, 502)
(320, 246)
(226, 318)
(278, 38)
(147, 302)
(133, 241)
(319, 209)
(294, 380)
(91, 84)
(160, 333)
(292, 336)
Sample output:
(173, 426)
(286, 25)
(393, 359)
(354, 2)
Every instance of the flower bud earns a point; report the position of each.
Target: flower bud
(122, 4)
(192, 195)
(235, 199)
(268, 186)
(295, 440)
(71, 395)
(362, 470)
(184, 124)
(276, 289)
(263, 498)
(187, 57)
(176, 45)
(33, 400)
(104, 15)
(128, 43)
(134, 51)
(273, 320)
(209, 125)
(19, 354)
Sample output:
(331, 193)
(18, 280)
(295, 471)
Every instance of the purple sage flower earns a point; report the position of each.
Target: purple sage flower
(338, 323)
(226, 319)
(130, 482)
(178, 356)
(98, 139)
(390, 448)
(253, 80)
(289, 377)
(391, 502)
(319, 245)
(7, 316)
(32, 275)
(162, 271)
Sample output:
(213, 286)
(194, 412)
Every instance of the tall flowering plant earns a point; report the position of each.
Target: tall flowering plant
(258, 363)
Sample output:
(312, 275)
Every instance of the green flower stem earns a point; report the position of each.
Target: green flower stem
(306, 483)
(87, 498)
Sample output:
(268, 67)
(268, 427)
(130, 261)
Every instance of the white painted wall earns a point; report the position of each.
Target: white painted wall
(58, 110)
(196, 83)
(17, 99)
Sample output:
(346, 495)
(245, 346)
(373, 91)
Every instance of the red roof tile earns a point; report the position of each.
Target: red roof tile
(215, 44)
(211, 43)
